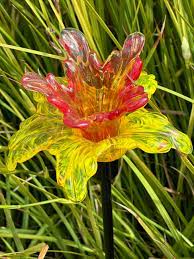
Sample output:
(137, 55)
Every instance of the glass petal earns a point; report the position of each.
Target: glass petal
(149, 131)
(82, 63)
(153, 133)
(76, 164)
(55, 93)
(59, 95)
(34, 82)
(148, 82)
(120, 63)
(134, 74)
(115, 148)
(132, 47)
(35, 134)
(74, 42)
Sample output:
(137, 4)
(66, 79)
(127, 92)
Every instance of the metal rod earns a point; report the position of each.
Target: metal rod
(107, 210)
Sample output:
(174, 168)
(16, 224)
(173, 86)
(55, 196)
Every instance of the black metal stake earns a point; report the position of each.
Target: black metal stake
(106, 171)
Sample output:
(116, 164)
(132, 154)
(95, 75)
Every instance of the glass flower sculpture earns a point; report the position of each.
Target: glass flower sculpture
(93, 114)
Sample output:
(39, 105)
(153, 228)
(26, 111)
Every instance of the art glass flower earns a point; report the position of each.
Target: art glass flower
(95, 113)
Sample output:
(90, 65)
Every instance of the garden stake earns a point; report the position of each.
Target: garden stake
(107, 212)
(106, 172)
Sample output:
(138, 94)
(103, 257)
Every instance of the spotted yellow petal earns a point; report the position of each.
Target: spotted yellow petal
(148, 82)
(149, 131)
(44, 107)
(115, 148)
(35, 134)
(76, 164)
(153, 133)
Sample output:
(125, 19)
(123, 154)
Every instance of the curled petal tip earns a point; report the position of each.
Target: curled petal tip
(27, 77)
(24, 80)
(133, 45)
(50, 76)
(33, 82)
(74, 42)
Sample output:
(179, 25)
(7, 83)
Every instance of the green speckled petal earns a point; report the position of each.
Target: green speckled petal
(35, 134)
(149, 131)
(153, 133)
(76, 163)
(148, 82)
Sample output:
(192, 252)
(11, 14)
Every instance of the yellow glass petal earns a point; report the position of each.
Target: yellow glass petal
(44, 107)
(148, 82)
(153, 133)
(114, 148)
(76, 164)
(38, 97)
(35, 134)
(149, 131)
(111, 154)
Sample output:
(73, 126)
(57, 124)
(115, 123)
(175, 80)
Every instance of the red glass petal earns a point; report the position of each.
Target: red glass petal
(86, 62)
(113, 62)
(131, 91)
(135, 72)
(34, 82)
(94, 62)
(132, 47)
(48, 86)
(135, 103)
(74, 42)
(126, 61)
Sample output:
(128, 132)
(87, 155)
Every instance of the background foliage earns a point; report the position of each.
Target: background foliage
(153, 194)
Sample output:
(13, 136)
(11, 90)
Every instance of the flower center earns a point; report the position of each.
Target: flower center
(98, 131)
